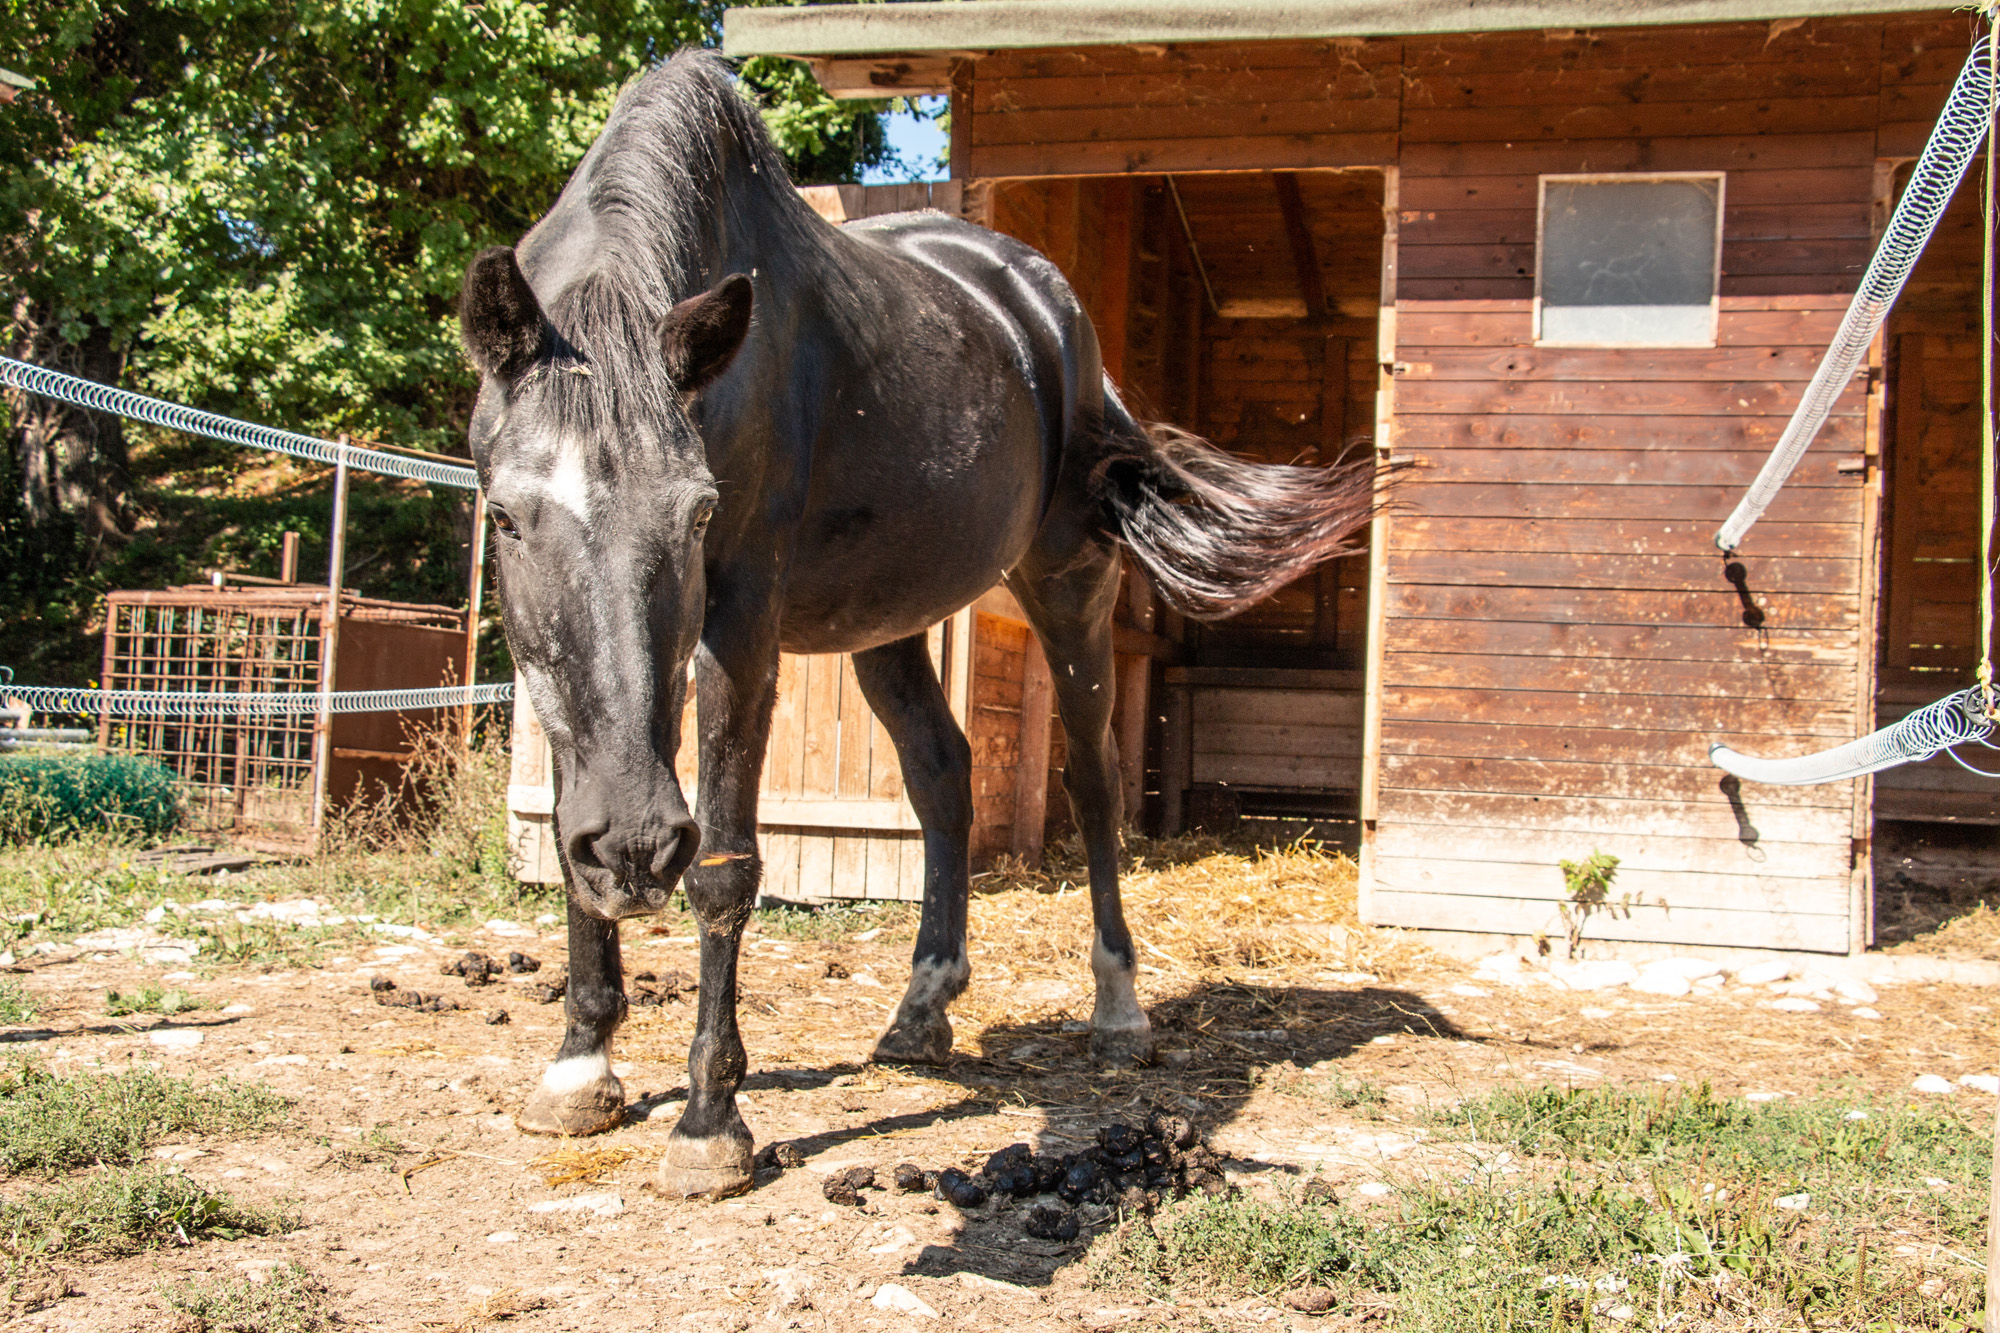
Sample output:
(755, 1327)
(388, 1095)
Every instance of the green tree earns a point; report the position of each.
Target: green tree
(264, 207)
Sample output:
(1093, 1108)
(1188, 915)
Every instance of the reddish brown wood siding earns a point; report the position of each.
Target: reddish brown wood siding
(1560, 641)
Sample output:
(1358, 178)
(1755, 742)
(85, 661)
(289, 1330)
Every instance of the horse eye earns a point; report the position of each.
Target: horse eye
(701, 519)
(503, 521)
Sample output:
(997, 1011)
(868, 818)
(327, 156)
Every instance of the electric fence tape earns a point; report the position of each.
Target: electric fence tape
(123, 402)
(1956, 719)
(1953, 143)
(210, 705)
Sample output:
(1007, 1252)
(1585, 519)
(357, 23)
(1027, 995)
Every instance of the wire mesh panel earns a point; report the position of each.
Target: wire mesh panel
(248, 774)
(240, 772)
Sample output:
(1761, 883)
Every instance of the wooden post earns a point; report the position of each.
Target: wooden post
(329, 640)
(958, 665)
(1176, 759)
(478, 587)
(1031, 777)
(1135, 679)
(288, 558)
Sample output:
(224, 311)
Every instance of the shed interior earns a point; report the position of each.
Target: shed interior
(1243, 306)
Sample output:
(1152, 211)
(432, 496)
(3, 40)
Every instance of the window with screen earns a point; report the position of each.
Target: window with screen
(1628, 261)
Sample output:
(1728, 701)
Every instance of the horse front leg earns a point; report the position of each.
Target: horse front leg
(710, 1150)
(579, 1094)
(903, 690)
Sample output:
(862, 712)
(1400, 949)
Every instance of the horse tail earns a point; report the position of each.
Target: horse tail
(1218, 533)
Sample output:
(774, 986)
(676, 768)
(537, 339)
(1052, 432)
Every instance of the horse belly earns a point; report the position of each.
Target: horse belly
(908, 538)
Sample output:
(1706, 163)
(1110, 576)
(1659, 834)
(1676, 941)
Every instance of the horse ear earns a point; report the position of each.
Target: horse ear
(502, 323)
(702, 335)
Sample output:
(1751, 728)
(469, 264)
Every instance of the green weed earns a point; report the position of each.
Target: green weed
(49, 1125)
(16, 1004)
(123, 1212)
(153, 1000)
(290, 1299)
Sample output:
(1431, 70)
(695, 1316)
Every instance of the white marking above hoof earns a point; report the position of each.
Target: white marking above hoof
(576, 1073)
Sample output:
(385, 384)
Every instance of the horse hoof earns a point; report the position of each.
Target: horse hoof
(583, 1111)
(1122, 1047)
(927, 1042)
(715, 1167)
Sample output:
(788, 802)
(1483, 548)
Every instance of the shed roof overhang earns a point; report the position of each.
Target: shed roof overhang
(968, 27)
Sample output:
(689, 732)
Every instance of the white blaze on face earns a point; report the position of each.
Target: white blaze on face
(569, 484)
(577, 1072)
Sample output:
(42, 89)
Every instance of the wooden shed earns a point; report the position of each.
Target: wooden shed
(1573, 264)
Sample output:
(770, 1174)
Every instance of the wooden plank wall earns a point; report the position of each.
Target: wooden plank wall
(1560, 641)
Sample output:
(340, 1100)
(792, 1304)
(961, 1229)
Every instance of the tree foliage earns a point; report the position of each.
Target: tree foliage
(265, 207)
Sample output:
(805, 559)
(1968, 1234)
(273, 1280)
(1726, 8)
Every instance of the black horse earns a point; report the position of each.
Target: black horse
(916, 412)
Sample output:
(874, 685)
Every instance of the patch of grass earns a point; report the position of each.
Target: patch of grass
(49, 1125)
(124, 1212)
(290, 1299)
(375, 1148)
(153, 1000)
(1359, 1095)
(16, 1004)
(836, 921)
(1662, 1206)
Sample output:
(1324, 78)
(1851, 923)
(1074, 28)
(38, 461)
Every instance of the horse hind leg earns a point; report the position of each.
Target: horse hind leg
(903, 690)
(1070, 608)
(579, 1094)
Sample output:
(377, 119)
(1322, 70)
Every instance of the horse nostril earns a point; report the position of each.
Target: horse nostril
(676, 856)
(582, 847)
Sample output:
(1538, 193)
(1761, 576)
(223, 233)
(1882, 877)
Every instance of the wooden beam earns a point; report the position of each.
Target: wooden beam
(1114, 315)
(1031, 778)
(1305, 257)
(1129, 722)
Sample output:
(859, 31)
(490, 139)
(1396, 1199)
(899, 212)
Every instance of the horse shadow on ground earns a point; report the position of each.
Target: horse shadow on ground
(1218, 1044)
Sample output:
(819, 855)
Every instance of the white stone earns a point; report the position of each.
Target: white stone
(179, 976)
(1671, 984)
(1866, 1012)
(502, 1238)
(1608, 974)
(1793, 1004)
(889, 1296)
(1763, 973)
(1933, 1084)
(1793, 1203)
(1985, 1083)
(1765, 1096)
(597, 1205)
(547, 919)
(867, 935)
(897, 1239)
(283, 1060)
(499, 926)
(294, 912)
(1373, 1189)
(1501, 963)
(1471, 992)
(1854, 988)
(174, 1037)
(1693, 969)
(239, 1009)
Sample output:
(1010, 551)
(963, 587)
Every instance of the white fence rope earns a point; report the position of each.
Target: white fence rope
(123, 402)
(1953, 143)
(1956, 719)
(212, 705)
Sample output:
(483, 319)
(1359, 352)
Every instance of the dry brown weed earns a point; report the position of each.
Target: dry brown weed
(570, 1166)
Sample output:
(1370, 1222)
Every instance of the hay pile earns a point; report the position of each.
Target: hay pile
(1199, 910)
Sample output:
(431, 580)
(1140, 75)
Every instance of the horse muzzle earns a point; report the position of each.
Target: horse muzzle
(625, 868)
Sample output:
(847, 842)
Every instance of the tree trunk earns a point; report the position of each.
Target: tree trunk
(74, 467)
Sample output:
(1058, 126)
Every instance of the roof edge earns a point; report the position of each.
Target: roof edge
(984, 25)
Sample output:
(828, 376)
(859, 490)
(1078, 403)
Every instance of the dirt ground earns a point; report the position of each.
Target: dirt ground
(448, 1233)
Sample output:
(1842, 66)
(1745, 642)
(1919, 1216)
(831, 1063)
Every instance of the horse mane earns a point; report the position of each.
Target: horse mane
(683, 170)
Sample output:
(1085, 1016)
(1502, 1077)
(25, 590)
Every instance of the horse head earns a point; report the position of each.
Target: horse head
(598, 485)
